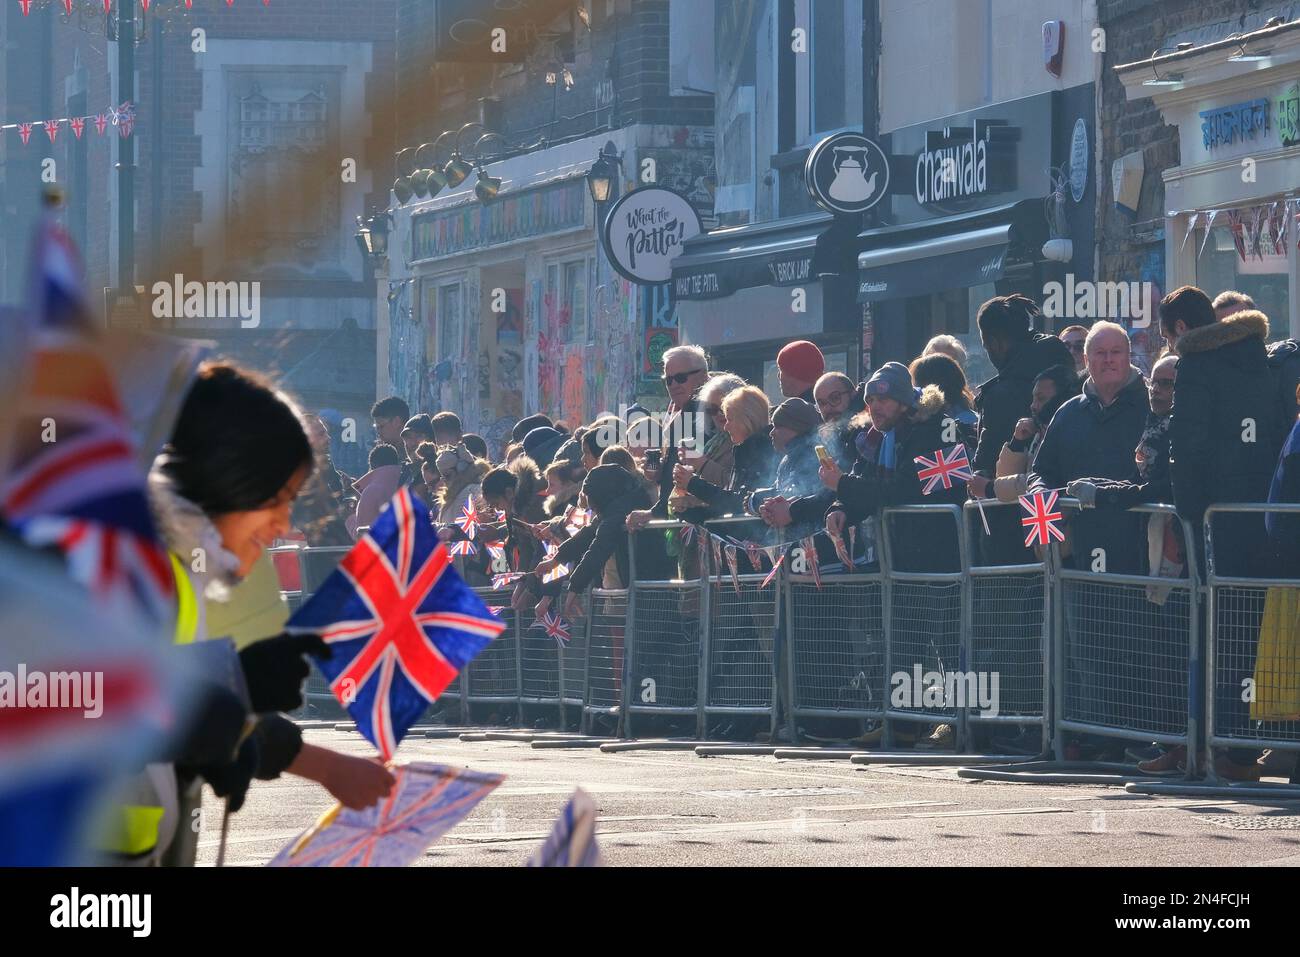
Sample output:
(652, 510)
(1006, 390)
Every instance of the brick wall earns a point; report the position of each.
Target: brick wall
(1134, 28)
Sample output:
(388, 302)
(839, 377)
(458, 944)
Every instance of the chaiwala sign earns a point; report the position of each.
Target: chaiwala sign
(645, 231)
(961, 162)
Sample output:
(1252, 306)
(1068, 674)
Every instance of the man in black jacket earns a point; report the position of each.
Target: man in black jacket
(1224, 441)
(686, 369)
(1283, 358)
(1093, 435)
(1006, 325)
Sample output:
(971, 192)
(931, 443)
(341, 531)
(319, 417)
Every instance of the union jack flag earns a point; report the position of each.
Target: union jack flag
(78, 124)
(576, 519)
(427, 801)
(101, 123)
(71, 477)
(462, 547)
(572, 841)
(776, 566)
(1042, 519)
(556, 627)
(468, 521)
(495, 549)
(755, 553)
(51, 128)
(505, 578)
(944, 467)
(399, 621)
(25, 132)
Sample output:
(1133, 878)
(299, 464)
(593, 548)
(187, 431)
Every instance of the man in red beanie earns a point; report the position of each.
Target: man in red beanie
(798, 367)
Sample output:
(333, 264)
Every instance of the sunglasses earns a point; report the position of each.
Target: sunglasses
(681, 377)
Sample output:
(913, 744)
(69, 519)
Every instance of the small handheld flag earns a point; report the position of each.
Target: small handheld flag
(399, 622)
(556, 627)
(427, 801)
(462, 547)
(946, 466)
(572, 841)
(1042, 519)
(468, 521)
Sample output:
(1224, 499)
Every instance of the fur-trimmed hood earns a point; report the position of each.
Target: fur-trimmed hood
(528, 488)
(929, 405)
(1250, 324)
(188, 532)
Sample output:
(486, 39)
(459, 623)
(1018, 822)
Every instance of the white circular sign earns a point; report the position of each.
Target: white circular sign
(645, 231)
(847, 173)
(1079, 160)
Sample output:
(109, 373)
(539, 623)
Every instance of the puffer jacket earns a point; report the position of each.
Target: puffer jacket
(1284, 364)
(1215, 455)
(1085, 440)
(921, 543)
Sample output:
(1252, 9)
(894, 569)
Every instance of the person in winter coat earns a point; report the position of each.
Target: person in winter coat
(514, 492)
(223, 487)
(1052, 388)
(1225, 434)
(795, 438)
(1284, 530)
(717, 462)
(377, 486)
(1094, 435)
(1006, 326)
(1283, 358)
(910, 421)
(744, 418)
(462, 477)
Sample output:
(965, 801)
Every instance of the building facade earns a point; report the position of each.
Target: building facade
(503, 307)
(1206, 134)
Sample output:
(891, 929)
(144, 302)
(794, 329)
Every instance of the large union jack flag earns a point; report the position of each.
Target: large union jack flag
(427, 801)
(399, 621)
(1042, 518)
(946, 466)
(69, 475)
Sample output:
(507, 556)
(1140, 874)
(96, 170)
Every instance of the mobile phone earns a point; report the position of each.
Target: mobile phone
(654, 457)
(823, 454)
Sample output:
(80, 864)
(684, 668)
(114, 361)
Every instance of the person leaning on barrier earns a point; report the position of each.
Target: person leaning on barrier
(838, 403)
(514, 491)
(1225, 434)
(718, 459)
(911, 422)
(611, 492)
(686, 369)
(794, 436)
(744, 417)
(1052, 388)
(1094, 435)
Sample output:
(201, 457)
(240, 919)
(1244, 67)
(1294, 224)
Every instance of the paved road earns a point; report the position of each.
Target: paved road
(676, 809)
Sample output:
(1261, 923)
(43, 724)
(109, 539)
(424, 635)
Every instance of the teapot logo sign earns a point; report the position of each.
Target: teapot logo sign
(847, 173)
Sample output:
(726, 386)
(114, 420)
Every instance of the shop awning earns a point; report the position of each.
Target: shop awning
(788, 252)
(953, 253)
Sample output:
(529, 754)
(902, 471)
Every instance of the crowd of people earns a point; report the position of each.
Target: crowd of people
(1214, 422)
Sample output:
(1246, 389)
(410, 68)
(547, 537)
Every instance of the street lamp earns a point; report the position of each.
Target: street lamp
(372, 237)
(458, 168)
(487, 187)
(602, 177)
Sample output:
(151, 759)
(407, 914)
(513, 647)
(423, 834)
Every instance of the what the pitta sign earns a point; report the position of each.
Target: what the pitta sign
(645, 232)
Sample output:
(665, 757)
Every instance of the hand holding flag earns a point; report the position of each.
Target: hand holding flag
(946, 467)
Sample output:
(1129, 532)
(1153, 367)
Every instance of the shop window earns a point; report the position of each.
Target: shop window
(1264, 275)
(828, 82)
(568, 287)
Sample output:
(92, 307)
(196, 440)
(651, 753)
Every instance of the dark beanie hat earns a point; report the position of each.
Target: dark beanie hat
(524, 426)
(542, 443)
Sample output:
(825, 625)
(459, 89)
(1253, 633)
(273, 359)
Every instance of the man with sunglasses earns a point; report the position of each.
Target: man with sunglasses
(1073, 337)
(686, 369)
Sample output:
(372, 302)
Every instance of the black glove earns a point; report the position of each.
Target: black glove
(278, 743)
(231, 779)
(275, 669)
(212, 730)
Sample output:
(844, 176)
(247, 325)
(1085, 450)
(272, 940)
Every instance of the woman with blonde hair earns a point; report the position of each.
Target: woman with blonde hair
(716, 462)
(745, 418)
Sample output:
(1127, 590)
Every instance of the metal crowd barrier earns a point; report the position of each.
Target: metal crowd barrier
(1126, 648)
(666, 623)
(740, 643)
(925, 615)
(1008, 632)
(1253, 693)
(835, 646)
